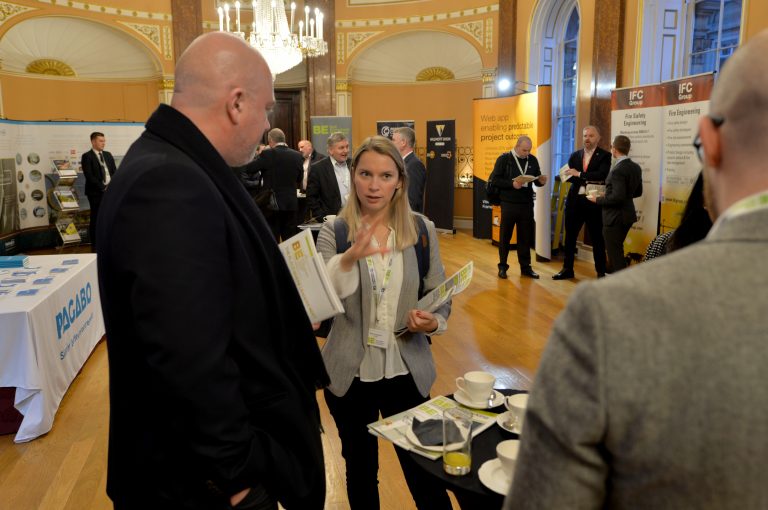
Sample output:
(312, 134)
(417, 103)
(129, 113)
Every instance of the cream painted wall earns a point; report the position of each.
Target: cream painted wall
(45, 99)
(420, 103)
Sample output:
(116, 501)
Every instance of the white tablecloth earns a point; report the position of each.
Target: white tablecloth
(46, 337)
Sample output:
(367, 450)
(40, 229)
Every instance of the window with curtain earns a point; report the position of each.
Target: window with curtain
(565, 108)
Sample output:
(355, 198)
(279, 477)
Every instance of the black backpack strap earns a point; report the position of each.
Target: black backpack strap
(341, 231)
(422, 251)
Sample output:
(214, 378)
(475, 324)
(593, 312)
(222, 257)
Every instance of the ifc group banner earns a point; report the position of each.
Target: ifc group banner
(498, 123)
(684, 102)
(441, 170)
(323, 126)
(661, 121)
(637, 114)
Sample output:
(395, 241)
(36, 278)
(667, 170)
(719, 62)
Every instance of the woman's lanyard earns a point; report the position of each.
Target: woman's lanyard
(522, 170)
(378, 293)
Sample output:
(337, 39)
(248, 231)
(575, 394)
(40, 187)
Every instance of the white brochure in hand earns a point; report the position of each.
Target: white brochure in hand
(307, 268)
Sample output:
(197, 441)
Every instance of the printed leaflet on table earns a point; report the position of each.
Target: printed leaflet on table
(394, 427)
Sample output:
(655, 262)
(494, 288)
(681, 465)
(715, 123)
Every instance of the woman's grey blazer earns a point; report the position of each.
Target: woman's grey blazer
(344, 349)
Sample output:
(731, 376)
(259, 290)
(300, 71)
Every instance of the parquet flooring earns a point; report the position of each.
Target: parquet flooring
(496, 325)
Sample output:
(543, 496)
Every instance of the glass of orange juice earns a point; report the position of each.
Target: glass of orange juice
(457, 441)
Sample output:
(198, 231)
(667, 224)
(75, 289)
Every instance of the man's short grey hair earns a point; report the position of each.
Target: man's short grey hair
(276, 135)
(408, 134)
(335, 138)
(523, 139)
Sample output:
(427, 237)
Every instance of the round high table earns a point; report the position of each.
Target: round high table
(468, 489)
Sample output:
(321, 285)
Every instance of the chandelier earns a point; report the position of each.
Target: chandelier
(271, 34)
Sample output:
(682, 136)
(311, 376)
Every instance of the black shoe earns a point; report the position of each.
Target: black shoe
(530, 273)
(503, 274)
(564, 274)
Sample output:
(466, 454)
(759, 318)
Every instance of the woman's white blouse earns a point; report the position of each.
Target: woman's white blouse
(377, 363)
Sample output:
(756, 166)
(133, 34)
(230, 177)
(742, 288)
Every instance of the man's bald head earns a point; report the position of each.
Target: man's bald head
(736, 152)
(225, 87)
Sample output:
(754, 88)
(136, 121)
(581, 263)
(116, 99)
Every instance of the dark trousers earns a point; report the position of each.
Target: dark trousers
(614, 244)
(95, 201)
(579, 211)
(283, 224)
(520, 215)
(352, 413)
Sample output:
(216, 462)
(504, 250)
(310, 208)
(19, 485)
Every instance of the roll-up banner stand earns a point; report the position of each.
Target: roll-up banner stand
(441, 173)
(498, 123)
(322, 127)
(385, 127)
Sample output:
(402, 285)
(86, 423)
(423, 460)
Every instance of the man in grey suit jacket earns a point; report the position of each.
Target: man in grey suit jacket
(624, 183)
(651, 391)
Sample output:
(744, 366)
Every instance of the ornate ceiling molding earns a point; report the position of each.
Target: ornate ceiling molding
(343, 85)
(340, 56)
(149, 32)
(489, 35)
(489, 75)
(472, 28)
(435, 73)
(50, 67)
(167, 84)
(167, 43)
(83, 6)
(8, 10)
(414, 20)
(355, 39)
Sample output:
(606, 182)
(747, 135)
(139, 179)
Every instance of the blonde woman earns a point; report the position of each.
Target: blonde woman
(373, 370)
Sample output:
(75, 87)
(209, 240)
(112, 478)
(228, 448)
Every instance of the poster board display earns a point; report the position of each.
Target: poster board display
(637, 114)
(38, 151)
(498, 123)
(685, 101)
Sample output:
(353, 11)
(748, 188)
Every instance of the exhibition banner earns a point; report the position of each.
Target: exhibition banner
(497, 124)
(385, 127)
(441, 170)
(636, 113)
(685, 101)
(322, 127)
(33, 149)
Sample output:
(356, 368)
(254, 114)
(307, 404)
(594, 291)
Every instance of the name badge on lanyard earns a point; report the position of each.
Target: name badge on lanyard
(378, 337)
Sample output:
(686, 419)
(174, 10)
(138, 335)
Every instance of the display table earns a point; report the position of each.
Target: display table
(50, 319)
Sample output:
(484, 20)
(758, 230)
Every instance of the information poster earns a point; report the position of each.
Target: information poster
(323, 126)
(498, 123)
(441, 169)
(637, 114)
(386, 127)
(684, 102)
(33, 147)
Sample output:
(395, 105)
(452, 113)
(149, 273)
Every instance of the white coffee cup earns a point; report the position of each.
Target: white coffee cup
(477, 385)
(507, 451)
(516, 405)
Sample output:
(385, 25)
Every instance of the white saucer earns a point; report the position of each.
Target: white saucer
(410, 436)
(462, 398)
(501, 422)
(492, 476)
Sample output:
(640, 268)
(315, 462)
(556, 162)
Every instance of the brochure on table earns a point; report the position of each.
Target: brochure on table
(307, 268)
(394, 427)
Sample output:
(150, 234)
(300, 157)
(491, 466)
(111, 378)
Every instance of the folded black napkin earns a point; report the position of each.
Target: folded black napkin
(430, 432)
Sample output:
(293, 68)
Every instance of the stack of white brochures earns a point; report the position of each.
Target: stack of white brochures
(453, 285)
(395, 428)
(310, 276)
(564, 176)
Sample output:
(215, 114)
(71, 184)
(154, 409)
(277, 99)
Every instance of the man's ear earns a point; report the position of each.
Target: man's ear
(235, 105)
(711, 141)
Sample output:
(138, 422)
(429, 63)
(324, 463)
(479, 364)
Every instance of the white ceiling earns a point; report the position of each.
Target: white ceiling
(398, 59)
(92, 50)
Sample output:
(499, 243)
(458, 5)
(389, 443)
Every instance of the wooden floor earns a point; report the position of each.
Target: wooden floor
(497, 325)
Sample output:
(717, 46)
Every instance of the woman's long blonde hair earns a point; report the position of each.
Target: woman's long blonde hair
(401, 218)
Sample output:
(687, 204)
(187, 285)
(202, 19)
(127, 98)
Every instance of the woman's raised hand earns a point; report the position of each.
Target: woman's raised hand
(362, 247)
